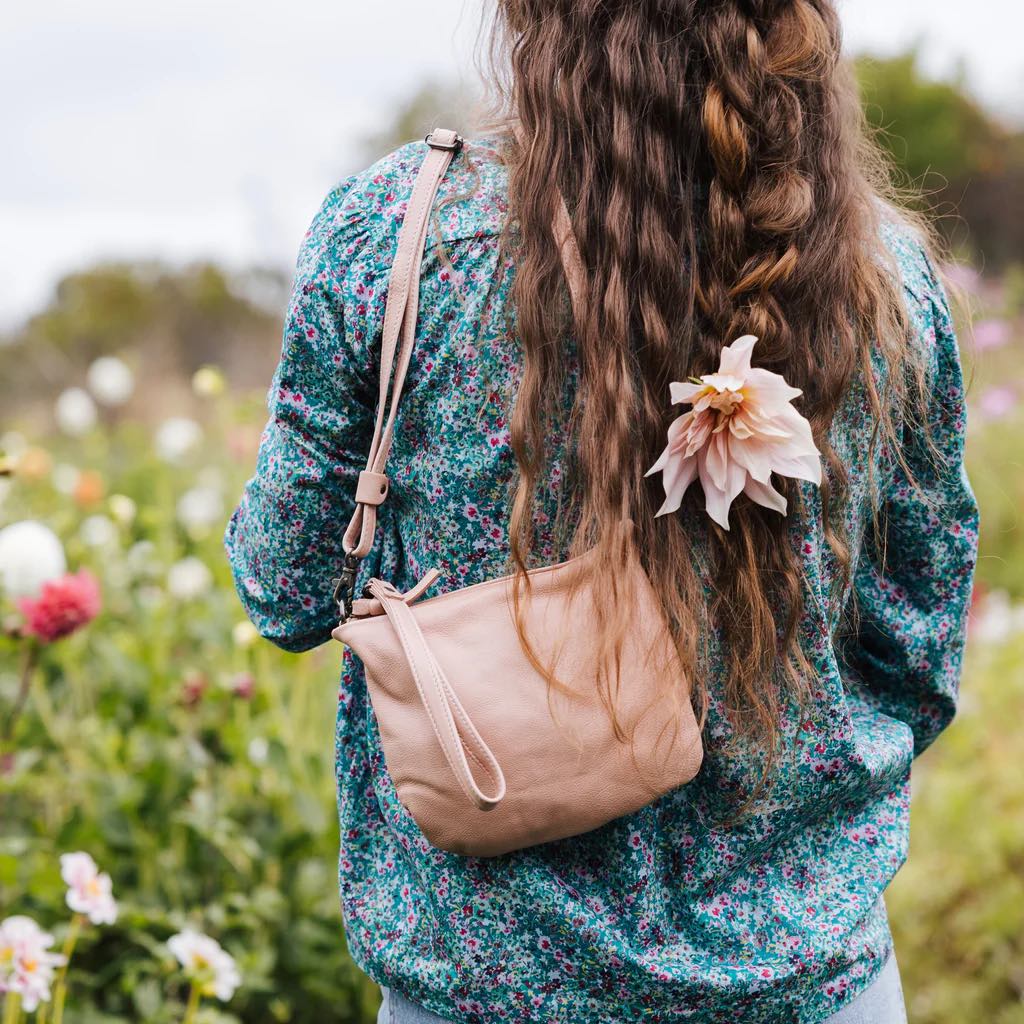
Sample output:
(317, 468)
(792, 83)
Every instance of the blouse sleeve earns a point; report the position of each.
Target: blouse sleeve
(284, 539)
(909, 645)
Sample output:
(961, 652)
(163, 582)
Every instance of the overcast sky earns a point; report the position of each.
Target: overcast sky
(213, 129)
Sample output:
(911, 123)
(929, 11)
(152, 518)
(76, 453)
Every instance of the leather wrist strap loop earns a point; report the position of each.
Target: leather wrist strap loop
(399, 334)
(459, 739)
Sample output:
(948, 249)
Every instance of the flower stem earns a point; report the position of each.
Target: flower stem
(28, 666)
(60, 989)
(12, 1008)
(193, 1004)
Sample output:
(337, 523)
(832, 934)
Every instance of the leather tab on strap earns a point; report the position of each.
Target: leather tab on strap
(372, 488)
(368, 607)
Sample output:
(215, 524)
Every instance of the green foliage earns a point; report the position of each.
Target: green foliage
(929, 127)
(434, 105)
(995, 424)
(998, 482)
(97, 310)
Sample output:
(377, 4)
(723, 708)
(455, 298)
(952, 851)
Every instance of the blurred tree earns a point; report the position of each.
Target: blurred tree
(969, 166)
(436, 104)
(168, 321)
(931, 128)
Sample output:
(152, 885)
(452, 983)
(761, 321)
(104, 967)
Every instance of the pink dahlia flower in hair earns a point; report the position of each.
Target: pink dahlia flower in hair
(741, 429)
(63, 606)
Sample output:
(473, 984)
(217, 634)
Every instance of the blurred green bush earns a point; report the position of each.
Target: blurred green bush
(966, 165)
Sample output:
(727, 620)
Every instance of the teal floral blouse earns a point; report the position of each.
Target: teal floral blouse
(662, 915)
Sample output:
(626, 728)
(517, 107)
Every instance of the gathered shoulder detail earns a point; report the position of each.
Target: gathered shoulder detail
(471, 200)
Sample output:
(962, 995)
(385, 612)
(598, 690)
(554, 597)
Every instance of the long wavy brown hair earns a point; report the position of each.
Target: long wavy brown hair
(720, 182)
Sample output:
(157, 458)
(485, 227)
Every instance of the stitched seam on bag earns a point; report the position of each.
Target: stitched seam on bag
(396, 621)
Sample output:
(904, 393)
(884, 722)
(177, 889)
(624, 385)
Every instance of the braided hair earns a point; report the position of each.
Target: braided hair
(720, 183)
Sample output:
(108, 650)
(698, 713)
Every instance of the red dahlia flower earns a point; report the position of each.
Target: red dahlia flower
(63, 606)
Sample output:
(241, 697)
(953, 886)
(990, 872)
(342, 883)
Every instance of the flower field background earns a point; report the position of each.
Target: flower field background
(144, 724)
(191, 759)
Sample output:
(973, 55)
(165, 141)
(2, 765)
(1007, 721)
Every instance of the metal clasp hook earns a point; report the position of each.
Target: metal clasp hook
(345, 586)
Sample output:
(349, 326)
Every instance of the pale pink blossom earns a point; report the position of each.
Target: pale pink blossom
(989, 334)
(89, 891)
(960, 275)
(206, 964)
(26, 964)
(998, 402)
(741, 429)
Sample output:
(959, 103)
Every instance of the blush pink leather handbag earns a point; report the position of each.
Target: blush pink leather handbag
(485, 756)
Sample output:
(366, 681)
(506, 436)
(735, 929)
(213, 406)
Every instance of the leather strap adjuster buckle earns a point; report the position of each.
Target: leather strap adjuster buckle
(449, 141)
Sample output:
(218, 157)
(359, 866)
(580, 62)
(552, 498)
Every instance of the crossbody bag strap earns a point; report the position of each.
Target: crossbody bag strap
(399, 337)
(565, 239)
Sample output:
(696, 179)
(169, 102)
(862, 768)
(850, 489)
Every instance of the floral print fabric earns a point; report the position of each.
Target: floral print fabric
(663, 915)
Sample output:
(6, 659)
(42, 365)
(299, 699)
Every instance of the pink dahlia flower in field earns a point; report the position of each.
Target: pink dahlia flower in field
(741, 429)
(89, 890)
(27, 966)
(63, 606)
